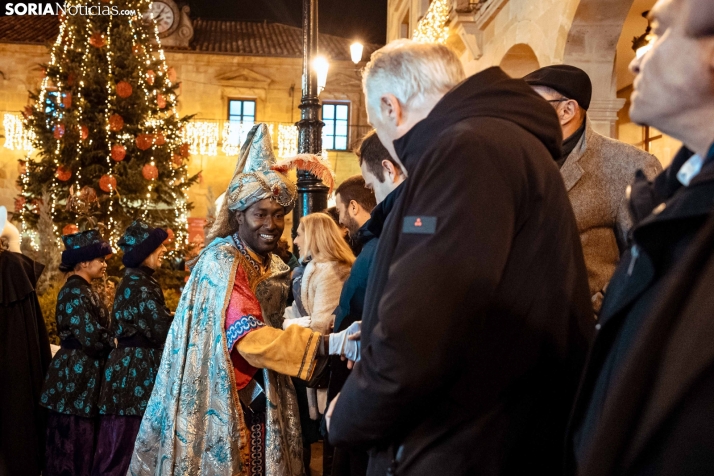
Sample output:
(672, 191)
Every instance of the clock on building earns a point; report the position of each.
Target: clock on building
(166, 14)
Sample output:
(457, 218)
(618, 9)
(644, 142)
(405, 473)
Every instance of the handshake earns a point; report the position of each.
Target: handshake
(346, 344)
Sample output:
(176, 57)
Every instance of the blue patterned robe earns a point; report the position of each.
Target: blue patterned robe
(141, 314)
(194, 423)
(74, 377)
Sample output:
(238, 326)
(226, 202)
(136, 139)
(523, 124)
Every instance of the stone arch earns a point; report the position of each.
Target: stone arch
(519, 60)
(591, 44)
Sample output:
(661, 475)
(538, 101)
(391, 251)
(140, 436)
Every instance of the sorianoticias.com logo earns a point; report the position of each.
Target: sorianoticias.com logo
(57, 8)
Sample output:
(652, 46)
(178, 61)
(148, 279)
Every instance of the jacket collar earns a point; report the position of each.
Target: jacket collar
(364, 234)
(571, 170)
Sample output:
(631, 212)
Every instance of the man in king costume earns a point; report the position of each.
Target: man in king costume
(223, 402)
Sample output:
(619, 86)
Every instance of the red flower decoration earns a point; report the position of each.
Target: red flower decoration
(107, 183)
(124, 89)
(137, 49)
(159, 138)
(70, 229)
(83, 132)
(150, 172)
(160, 101)
(63, 173)
(116, 122)
(67, 100)
(150, 77)
(19, 203)
(144, 141)
(97, 40)
(118, 152)
(58, 131)
(177, 161)
(184, 150)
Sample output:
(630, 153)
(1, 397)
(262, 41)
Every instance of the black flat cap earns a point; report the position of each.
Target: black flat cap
(571, 82)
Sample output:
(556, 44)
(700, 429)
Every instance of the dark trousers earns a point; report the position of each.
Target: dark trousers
(115, 444)
(70, 445)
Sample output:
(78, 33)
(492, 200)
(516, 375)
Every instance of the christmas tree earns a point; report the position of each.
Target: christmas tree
(105, 118)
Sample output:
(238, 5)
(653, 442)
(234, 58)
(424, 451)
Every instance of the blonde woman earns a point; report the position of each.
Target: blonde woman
(327, 260)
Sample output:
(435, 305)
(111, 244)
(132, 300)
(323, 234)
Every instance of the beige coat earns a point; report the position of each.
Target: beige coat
(596, 175)
(321, 287)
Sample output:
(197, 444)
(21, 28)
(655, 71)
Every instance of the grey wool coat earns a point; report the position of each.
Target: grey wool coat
(596, 175)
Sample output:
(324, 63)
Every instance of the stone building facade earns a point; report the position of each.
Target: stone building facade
(216, 61)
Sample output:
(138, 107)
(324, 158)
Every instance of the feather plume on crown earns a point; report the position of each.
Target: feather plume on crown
(311, 163)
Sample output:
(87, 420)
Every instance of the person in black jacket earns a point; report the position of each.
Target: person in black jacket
(141, 323)
(477, 315)
(24, 358)
(71, 390)
(645, 402)
(355, 201)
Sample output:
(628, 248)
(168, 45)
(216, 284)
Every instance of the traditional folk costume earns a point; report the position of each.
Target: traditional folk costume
(141, 322)
(223, 403)
(71, 390)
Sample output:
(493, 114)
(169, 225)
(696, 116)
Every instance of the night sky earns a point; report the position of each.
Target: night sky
(364, 20)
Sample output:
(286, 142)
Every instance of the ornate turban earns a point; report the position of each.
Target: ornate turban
(254, 179)
(258, 175)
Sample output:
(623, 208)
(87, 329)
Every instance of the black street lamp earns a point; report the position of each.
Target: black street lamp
(312, 193)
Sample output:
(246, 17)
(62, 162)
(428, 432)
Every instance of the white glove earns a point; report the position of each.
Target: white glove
(300, 321)
(291, 312)
(340, 344)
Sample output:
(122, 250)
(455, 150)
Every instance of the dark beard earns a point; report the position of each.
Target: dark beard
(352, 226)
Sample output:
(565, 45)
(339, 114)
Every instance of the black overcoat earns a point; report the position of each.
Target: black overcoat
(477, 313)
(656, 410)
(24, 357)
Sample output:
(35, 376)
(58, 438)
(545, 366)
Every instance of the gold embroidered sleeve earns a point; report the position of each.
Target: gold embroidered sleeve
(291, 352)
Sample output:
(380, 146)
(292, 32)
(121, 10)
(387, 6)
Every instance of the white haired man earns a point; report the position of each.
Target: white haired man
(646, 401)
(477, 314)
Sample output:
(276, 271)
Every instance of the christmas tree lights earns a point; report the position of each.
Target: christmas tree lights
(433, 27)
(106, 117)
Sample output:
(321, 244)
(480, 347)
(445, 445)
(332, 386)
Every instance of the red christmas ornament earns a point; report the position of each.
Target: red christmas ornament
(70, 229)
(83, 132)
(97, 40)
(67, 100)
(63, 173)
(159, 138)
(184, 150)
(118, 152)
(150, 77)
(124, 89)
(107, 183)
(170, 238)
(144, 141)
(160, 101)
(58, 131)
(150, 172)
(116, 122)
(19, 203)
(171, 73)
